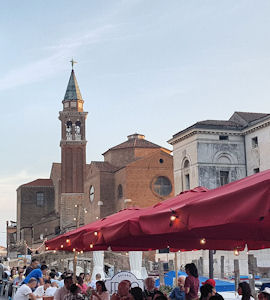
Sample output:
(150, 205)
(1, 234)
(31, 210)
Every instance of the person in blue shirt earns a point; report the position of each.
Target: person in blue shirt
(38, 274)
(178, 293)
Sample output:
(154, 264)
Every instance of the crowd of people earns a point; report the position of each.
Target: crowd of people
(36, 282)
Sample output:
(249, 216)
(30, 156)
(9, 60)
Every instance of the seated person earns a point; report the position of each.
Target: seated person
(149, 290)
(24, 292)
(122, 292)
(74, 293)
(101, 292)
(41, 290)
(178, 293)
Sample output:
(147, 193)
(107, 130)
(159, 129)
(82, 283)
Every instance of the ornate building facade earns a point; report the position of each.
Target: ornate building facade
(212, 153)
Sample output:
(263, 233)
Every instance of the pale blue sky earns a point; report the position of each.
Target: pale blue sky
(153, 67)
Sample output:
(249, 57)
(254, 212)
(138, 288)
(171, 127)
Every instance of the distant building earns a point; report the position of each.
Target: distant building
(212, 153)
(11, 250)
(136, 172)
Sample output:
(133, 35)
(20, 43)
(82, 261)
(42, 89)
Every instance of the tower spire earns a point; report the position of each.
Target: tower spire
(73, 91)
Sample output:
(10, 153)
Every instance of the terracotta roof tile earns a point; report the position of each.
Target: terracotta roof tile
(104, 166)
(136, 143)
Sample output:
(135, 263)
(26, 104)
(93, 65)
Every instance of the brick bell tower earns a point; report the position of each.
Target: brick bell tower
(73, 152)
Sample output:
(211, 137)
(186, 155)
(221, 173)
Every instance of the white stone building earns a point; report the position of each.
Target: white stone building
(212, 153)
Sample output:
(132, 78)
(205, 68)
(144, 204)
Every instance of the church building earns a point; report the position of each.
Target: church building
(136, 172)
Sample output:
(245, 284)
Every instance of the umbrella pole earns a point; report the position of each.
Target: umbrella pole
(75, 259)
(176, 268)
(211, 264)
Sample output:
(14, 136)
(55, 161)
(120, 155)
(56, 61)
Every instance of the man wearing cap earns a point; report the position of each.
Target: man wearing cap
(212, 282)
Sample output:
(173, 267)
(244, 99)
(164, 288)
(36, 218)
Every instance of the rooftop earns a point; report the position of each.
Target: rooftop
(238, 121)
(135, 141)
(104, 166)
(39, 182)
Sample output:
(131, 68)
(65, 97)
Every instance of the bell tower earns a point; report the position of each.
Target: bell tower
(73, 142)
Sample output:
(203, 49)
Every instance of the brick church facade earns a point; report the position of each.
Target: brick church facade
(136, 172)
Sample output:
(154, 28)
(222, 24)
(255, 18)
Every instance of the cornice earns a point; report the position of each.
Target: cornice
(243, 132)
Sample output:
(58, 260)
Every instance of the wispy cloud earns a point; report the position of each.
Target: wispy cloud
(9, 184)
(53, 62)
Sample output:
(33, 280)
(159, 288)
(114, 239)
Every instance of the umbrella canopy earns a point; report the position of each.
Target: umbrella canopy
(117, 231)
(226, 218)
(72, 240)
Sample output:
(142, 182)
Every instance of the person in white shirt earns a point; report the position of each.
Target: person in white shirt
(25, 291)
(93, 282)
(63, 291)
(41, 290)
(52, 289)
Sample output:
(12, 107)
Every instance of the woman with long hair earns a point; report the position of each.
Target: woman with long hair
(192, 282)
(101, 292)
(81, 285)
(244, 291)
(87, 279)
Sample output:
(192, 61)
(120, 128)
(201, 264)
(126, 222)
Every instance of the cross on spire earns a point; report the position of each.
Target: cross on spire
(73, 62)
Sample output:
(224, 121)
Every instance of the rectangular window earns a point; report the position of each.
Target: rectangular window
(256, 170)
(187, 182)
(224, 177)
(254, 142)
(40, 199)
(223, 138)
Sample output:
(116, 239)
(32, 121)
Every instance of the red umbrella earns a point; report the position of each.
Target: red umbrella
(226, 218)
(133, 226)
(106, 232)
(72, 240)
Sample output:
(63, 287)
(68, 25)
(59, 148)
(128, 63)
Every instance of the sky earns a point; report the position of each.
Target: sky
(147, 66)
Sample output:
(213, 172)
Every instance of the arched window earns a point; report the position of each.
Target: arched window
(224, 159)
(120, 191)
(78, 130)
(186, 164)
(162, 186)
(92, 193)
(78, 127)
(69, 130)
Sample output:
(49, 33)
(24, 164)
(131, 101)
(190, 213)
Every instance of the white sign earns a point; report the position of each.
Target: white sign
(112, 284)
